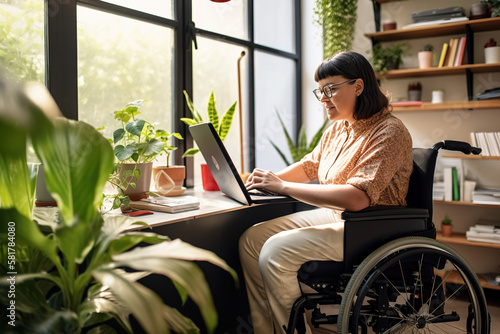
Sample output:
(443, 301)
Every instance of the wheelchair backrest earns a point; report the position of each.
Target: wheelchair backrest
(422, 180)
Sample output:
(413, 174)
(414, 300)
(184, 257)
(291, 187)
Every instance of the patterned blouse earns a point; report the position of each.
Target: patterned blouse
(374, 155)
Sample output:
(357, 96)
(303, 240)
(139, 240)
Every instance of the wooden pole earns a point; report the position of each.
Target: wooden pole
(242, 154)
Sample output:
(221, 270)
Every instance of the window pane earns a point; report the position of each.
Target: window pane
(163, 8)
(274, 93)
(21, 39)
(117, 64)
(275, 24)
(228, 18)
(215, 67)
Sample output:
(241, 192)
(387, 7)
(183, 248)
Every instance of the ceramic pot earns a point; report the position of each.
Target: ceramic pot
(446, 230)
(169, 181)
(142, 184)
(492, 55)
(425, 59)
(208, 180)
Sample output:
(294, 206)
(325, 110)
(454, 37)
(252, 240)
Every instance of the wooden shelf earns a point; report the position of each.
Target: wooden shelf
(460, 239)
(462, 203)
(433, 30)
(456, 105)
(438, 71)
(455, 278)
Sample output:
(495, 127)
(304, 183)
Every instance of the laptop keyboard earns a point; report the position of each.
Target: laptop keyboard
(262, 192)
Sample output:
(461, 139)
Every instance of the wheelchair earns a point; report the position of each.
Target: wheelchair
(395, 277)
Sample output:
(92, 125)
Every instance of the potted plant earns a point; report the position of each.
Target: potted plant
(446, 226)
(72, 277)
(388, 58)
(426, 56)
(299, 150)
(493, 6)
(338, 20)
(222, 127)
(491, 52)
(136, 143)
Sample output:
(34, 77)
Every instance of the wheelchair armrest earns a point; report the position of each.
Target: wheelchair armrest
(385, 212)
(371, 228)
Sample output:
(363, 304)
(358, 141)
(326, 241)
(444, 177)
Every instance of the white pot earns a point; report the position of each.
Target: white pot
(492, 55)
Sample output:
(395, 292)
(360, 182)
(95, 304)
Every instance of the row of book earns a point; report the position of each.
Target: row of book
(489, 142)
(453, 52)
(449, 189)
(484, 231)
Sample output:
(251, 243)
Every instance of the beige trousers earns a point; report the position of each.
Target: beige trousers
(272, 252)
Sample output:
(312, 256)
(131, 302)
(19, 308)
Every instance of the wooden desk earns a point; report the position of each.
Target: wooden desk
(216, 226)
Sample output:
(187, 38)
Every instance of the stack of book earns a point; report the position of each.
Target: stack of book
(484, 231)
(453, 52)
(489, 142)
(167, 204)
(438, 16)
(486, 196)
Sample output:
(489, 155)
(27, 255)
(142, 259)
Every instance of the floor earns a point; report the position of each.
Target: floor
(493, 299)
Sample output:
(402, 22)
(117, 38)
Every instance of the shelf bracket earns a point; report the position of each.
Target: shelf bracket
(469, 77)
(376, 14)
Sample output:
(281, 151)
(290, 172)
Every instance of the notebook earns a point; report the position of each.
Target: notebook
(223, 169)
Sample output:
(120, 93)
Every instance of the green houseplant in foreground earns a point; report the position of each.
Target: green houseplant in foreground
(388, 58)
(70, 278)
(221, 125)
(302, 148)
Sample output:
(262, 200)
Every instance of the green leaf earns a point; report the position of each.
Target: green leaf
(281, 154)
(213, 117)
(131, 239)
(118, 135)
(123, 153)
(141, 301)
(189, 121)
(153, 147)
(190, 152)
(196, 116)
(318, 135)
(225, 124)
(165, 258)
(135, 127)
(77, 162)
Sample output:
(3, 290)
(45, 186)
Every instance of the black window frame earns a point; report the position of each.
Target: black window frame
(62, 67)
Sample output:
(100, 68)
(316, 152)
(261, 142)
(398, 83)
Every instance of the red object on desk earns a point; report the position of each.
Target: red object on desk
(138, 213)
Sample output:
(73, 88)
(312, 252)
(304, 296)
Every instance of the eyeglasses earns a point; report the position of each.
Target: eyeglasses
(327, 90)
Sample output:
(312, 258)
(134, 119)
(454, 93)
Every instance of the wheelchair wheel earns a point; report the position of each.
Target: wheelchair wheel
(400, 288)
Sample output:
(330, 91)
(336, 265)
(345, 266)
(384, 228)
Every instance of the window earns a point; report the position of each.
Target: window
(99, 55)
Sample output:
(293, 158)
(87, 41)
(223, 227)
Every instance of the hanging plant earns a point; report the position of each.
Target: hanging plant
(338, 19)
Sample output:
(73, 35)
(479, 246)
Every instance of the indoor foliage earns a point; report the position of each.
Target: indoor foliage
(69, 271)
(338, 19)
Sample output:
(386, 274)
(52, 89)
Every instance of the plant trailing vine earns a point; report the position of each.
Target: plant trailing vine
(338, 19)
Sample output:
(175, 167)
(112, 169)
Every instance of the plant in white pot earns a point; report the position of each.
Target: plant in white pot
(491, 52)
(221, 125)
(426, 56)
(136, 143)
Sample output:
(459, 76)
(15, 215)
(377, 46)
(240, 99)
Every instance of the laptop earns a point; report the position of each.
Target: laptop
(223, 169)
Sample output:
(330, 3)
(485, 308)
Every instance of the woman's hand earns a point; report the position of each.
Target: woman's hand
(264, 179)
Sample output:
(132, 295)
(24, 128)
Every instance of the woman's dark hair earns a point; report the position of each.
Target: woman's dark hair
(352, 65)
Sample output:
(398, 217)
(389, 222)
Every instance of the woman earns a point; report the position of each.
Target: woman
(364, 159)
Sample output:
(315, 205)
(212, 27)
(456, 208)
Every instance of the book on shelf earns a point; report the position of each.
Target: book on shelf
(459, 57)
(448, 183)
(486, 196)
(452, 50)
(484, 231)
(444, 51)
(167, 204)
(489, 142)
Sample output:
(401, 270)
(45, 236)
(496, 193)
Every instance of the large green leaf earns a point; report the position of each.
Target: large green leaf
(143, 303)
(135, 127)
(123, 153)
(164, 258)
(213, 117)
(196, 115)
(77, 162)
(225, 124)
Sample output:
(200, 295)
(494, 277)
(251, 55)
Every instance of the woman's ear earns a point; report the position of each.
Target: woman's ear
(359, 86)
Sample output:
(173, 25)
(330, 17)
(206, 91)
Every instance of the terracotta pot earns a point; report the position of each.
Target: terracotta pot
(425, 59)
(207, 178)
(446, 230)
(142, 184)
(169, 181)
